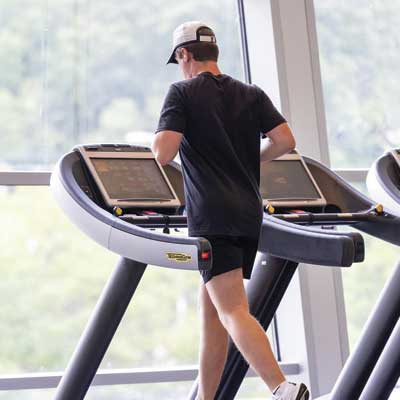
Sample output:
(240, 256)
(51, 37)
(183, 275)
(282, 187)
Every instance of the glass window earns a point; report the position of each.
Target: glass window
(359, 53)
(74, 72)
(52, 276)
(252, 388)
(77, 71)
(364, 282)
(177, 390)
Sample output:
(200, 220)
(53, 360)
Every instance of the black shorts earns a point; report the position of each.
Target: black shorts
(229, 253)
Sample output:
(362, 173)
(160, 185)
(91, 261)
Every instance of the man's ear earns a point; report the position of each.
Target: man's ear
(186, 55)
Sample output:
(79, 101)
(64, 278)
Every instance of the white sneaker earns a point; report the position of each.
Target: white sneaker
(291, 391)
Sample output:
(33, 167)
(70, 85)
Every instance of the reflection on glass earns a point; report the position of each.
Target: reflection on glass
(359, 51)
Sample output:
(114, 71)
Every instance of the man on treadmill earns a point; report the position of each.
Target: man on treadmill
(216, 122)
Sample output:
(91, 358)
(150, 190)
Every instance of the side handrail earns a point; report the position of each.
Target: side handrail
(309, 245)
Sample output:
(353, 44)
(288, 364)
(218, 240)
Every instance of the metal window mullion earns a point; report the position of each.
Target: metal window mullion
(25, 178)
(320, 342)
(118, 377)
(353, 175)
(28, 178)
(243, 37)
(317, 82)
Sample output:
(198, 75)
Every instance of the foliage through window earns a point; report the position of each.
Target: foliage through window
(359, 51)
(77, 71)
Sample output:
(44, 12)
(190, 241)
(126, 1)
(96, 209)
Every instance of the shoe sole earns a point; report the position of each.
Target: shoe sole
(303, 393)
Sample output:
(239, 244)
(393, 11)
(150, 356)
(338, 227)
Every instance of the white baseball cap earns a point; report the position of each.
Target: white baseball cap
(190, 32)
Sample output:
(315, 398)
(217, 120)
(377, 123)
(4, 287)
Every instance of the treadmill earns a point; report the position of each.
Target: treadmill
(118, 195)
(373, 368)
(383, 182)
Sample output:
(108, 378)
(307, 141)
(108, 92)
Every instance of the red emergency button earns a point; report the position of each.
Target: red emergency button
(149, 213)
(205, 255)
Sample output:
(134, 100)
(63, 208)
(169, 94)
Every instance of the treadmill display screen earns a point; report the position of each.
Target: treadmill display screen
(287, 180)
(132, 179)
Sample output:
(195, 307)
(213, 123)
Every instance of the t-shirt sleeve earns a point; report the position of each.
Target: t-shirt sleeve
(270, 117)
(173, 116)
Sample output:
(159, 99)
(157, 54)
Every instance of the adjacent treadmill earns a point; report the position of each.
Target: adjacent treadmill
(383, 182)
(373, 368)
(118, 194)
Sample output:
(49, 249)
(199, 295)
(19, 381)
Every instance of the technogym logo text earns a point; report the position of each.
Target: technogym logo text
(179, 257)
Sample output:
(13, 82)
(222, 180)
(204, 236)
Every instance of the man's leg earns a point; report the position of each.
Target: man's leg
(228, 295)
(213, 347)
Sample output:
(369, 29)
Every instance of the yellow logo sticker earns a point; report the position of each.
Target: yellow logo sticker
(179, 257)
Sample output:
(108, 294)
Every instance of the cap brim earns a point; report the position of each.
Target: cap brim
(172, 59)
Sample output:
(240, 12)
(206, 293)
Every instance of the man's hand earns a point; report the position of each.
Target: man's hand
(281, 141)
(165, 146)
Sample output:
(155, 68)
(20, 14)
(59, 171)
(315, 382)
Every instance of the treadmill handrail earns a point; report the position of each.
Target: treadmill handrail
(385, 226)
(326, 218)
(307, 245)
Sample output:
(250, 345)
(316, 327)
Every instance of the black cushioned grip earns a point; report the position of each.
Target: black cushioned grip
(309, 245)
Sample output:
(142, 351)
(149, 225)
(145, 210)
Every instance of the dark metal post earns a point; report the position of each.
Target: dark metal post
(387, 371)
(100, 330)
(243, 36)
(377, 331)
(265, 290)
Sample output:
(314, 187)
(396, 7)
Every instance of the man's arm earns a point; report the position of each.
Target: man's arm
(165, 146)
(280, 141)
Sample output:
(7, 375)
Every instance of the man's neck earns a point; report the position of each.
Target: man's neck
(209, 66)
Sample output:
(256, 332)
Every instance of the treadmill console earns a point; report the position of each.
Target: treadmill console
(287, 182)
(128, 176)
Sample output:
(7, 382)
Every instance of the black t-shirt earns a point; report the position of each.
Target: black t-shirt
(221, 119)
